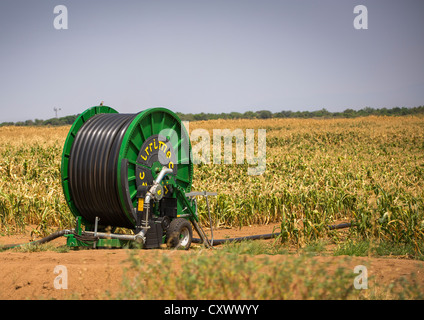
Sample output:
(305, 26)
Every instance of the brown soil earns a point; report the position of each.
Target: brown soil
(30, 275)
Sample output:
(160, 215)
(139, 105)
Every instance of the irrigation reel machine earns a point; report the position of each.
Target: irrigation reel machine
(130, 171)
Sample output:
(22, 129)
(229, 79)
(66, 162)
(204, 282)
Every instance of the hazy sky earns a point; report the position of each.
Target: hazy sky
(209, 56)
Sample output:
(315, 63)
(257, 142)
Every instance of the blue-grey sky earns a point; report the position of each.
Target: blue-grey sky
(209, 56)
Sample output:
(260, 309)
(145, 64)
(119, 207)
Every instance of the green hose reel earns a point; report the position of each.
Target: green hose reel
(110, 161)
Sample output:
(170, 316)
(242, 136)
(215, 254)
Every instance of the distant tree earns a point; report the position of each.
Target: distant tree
(200, 116)
(367, 111)
(52, 122)
(264, 114)
(283, 114)
(395, 110)
(223, 116)
(382, 111)
(306, 114)
(3, 124)
(236, 115)
(189, 117)
(250, 115)
(349, 113)
(322, 113)
(404, 111)
(417, 110)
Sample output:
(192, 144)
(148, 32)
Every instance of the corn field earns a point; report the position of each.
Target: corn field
(368, 171)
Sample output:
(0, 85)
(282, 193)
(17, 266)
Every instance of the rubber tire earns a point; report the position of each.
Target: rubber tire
(177, 228)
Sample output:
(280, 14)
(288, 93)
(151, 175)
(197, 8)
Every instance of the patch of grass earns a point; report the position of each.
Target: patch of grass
(404, 289)
(252, 247)
(364, 248)
(385, 248)
(316, 247)
(353, 248)
(229, 275)
(39, 248)
(224, 275)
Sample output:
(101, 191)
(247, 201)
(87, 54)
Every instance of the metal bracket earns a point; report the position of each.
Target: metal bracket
(205, 194)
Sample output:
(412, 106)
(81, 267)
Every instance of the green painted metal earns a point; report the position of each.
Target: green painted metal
(151, 122)
(71, 241)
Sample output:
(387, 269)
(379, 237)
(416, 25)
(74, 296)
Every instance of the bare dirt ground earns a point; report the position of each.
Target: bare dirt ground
(31, 275)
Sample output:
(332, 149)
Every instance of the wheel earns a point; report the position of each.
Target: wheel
(179, 234)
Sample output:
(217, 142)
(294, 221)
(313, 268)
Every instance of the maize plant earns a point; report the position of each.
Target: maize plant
(368, 171)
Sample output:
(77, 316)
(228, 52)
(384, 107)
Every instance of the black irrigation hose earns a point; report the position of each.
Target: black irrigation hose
(254, 237)
(264, 236)
(194, 240)
(93, 169)
(38, 242)
(340, 226)
(55, 235)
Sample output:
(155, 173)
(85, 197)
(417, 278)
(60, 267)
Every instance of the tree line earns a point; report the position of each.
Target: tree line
(38, 123)
(323, 113)
(261, 114)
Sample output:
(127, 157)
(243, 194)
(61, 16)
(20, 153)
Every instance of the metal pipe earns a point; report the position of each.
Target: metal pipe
(96, 223)
(146, 208)
(165, 170)
(104, 235)
(140, 237)
(149, 194)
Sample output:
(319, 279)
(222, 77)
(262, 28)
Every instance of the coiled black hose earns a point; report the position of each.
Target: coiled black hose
(93, 179)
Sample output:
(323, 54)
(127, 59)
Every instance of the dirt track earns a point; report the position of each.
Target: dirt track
(93, 272)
